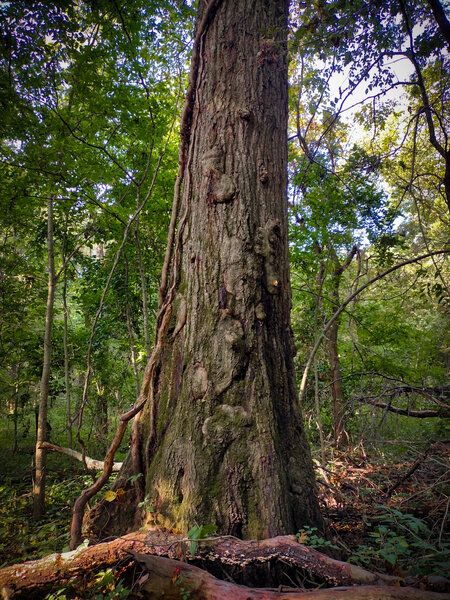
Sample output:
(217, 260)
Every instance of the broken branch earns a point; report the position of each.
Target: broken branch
(91, 463)
(418, 414)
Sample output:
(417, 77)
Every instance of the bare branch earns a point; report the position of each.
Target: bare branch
(91, 463)
(418, 414)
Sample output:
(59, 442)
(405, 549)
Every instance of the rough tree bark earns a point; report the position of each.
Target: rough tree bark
(220, 439)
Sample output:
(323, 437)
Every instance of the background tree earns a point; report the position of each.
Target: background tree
(337, 207)
(378, 36)
(366, 39)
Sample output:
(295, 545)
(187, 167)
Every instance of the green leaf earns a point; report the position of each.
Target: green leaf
(192, 547)
(197, 533)
(389, 557)
(207, 530)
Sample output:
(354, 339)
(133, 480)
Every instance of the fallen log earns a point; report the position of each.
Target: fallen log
(170, 579)
(34, 578)
(232, 551)
(91, 463)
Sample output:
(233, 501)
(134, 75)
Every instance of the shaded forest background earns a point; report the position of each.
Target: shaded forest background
(91, 95)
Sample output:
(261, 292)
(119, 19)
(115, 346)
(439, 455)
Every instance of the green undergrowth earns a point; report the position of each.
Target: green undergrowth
(396, 542)
(21, 537)
(382, 538)
(105, 585)
(402, 543)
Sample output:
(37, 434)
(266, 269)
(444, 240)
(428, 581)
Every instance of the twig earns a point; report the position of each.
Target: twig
(408, 474)
(444, 520)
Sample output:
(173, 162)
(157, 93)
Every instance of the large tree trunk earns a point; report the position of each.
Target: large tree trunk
(221, 440)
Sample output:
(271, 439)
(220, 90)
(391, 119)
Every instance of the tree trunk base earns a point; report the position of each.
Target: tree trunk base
(239, 561)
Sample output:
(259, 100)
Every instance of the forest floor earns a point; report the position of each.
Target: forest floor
(390, 516)
(386, 515)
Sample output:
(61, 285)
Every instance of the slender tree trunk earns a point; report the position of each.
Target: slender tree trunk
(318, 311)
(16, 374)
(131, 332)
(102, 413)
(318, 415)
(447, 179)
(67, 363)
(336, 386)
(145, 307)
(340, 435)
(337, 393)
(220, 440)
(41, 434)
(99, 252)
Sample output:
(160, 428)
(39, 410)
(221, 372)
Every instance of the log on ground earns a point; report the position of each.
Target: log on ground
(169, 579)
(33, 578)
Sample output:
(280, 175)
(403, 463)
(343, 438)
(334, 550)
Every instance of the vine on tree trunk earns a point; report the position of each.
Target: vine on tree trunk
(165, 297)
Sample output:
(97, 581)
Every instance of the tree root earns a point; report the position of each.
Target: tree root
(166, 576)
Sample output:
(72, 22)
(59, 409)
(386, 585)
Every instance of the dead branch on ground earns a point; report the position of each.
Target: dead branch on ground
(417, 463)
(166, 577)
